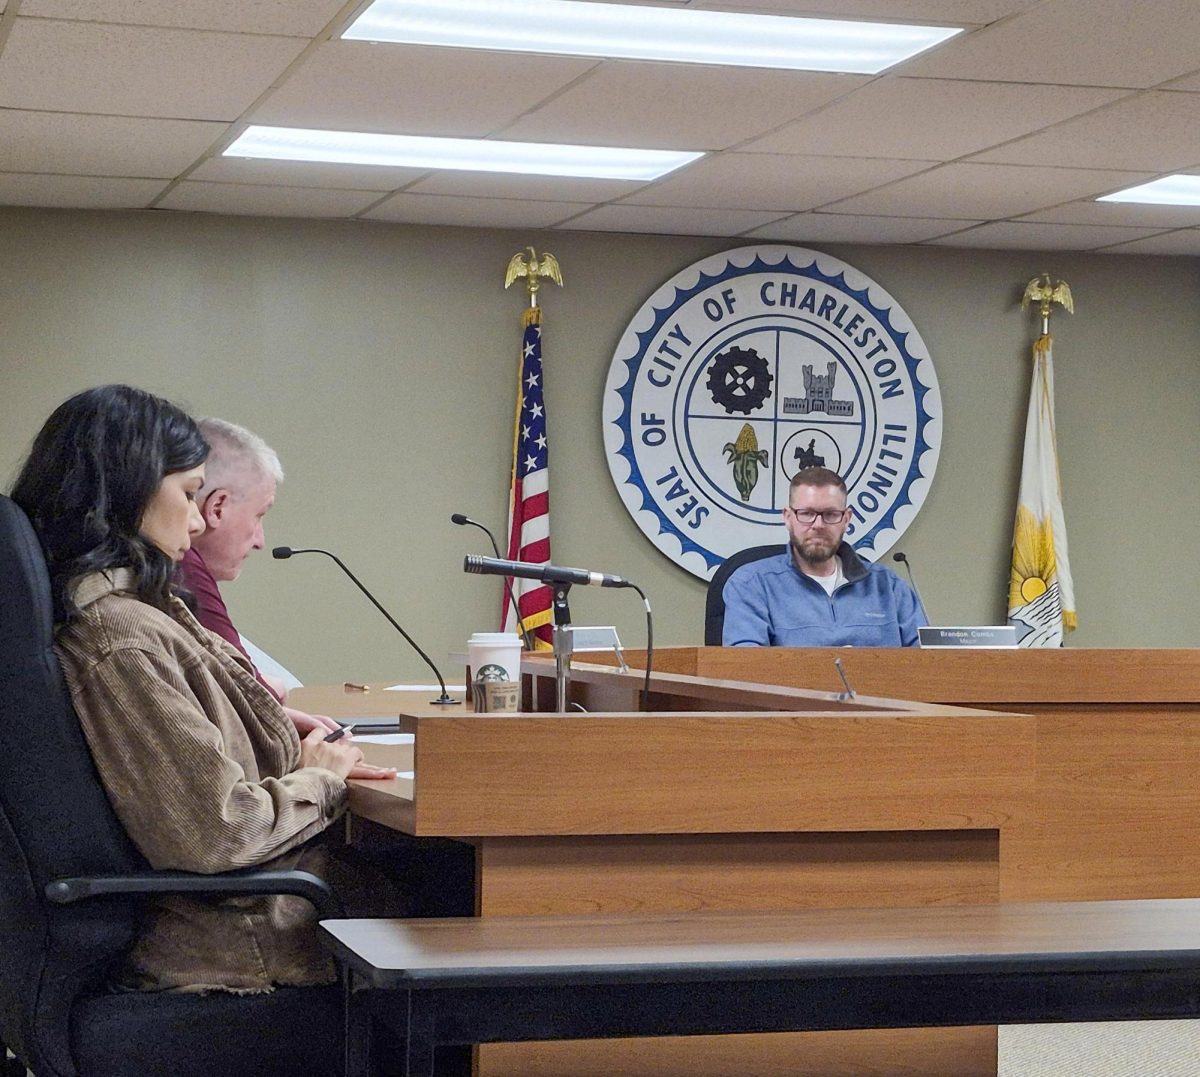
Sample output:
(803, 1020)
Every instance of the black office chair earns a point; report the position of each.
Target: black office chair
(69, 880)
(714, 603)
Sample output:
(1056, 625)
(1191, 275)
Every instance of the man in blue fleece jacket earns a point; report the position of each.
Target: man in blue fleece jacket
(819, 593)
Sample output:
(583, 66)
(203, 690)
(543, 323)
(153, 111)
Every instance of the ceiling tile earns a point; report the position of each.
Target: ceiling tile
(101, 145)
(955, 12)
(930, 119)
(135, 71)
(294, 18)
(772, 181)
(844, 228)
(1187, 84)
(1017, 235)
(669, 221)
(677, 106)
(402, 89)
(474, 212)
(1075, 42)
(262, 201)
(1185, 241)
(523, 188)
(1120, 213)
(77, 192)
(984, 191)
(305, 174)
(1157, 131)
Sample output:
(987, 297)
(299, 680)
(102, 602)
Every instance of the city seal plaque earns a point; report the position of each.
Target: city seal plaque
(750, 365)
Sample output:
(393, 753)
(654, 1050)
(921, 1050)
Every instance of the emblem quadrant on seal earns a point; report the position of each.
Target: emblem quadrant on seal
(750, 365)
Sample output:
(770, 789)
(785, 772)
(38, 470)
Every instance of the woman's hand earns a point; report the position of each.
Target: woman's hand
(337, 756)
(306, 723)
(367, 770)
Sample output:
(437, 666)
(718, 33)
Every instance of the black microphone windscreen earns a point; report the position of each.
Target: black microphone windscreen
(458, 518)
(281, 553)
(899, 557)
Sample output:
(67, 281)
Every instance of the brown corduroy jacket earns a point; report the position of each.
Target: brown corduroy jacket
(201, 766)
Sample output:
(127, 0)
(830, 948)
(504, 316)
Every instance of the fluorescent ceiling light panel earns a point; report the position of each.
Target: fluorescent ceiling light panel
(464, 154)
(1169, 191)
(625, 31)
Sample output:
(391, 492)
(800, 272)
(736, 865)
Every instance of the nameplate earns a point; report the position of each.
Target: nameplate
(599, 638)
(980, 636)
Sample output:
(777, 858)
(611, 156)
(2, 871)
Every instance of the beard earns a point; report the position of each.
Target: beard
(816, 549)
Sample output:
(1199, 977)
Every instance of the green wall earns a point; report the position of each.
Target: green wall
(378, 360)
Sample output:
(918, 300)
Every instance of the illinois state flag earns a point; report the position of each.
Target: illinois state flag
(1041, 597)
(529, 492)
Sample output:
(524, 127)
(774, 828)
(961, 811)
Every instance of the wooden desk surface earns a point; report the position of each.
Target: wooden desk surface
(339, 701)
(986, 678)
(705, 694)
(822, 942)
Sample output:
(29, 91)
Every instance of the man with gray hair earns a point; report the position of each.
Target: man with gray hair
(240, 479)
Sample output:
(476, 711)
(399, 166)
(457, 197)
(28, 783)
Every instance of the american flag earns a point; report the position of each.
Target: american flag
(529, 497)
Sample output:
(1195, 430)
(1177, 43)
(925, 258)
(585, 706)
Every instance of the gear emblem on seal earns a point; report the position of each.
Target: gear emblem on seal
(739, 380)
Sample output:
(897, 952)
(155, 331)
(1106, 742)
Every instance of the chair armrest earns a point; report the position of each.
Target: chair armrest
(252, 881)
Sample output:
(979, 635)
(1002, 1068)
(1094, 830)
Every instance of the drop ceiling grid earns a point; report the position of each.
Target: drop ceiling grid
(947, 148)
(293, 18)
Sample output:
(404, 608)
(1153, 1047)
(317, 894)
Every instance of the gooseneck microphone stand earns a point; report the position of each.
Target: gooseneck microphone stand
(562, 645)
(281, 553)
(509, 589)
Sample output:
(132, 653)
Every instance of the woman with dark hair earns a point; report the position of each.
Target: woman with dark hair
(202, 766)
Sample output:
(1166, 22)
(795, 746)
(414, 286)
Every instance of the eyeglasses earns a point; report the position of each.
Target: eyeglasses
(808, 517)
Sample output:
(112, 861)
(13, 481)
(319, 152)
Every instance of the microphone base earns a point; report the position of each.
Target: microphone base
(444, 700)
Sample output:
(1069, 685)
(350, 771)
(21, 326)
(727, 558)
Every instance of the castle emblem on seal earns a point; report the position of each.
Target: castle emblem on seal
(750, 365)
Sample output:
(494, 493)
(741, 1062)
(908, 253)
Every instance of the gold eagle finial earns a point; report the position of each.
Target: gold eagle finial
(1044, 292)
(532, 270)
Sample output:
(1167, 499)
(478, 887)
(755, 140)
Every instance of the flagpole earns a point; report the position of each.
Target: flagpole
(1041, 601)
(529, 512)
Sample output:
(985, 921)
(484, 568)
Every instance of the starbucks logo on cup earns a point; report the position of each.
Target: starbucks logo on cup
(745, 368)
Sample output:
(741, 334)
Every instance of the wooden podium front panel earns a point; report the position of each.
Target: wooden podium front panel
(1115, 807)
(886, 1052)
(1115, 798)
(665, 873)
(703, 872)
(497, 775)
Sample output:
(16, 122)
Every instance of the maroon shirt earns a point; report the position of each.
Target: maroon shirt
(210, 606)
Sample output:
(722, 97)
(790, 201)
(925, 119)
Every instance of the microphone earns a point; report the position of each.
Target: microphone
(899, 556)
(494, 566)
(282, 553)
(463, 521)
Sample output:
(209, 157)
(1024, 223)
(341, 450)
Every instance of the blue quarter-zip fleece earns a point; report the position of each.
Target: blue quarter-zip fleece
(771, 603)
